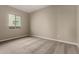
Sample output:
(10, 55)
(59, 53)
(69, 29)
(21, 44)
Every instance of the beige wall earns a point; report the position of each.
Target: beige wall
(55, 22)
(5, 32)
(43, 22)
(66, 20)
(78, 24)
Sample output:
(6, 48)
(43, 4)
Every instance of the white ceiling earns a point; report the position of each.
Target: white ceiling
(28, 8)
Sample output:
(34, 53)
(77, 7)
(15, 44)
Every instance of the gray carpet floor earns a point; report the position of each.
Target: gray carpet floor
(34, 45)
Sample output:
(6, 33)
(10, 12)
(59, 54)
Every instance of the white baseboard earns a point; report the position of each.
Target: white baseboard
(13, 38)
(43, 38)
(73, 43)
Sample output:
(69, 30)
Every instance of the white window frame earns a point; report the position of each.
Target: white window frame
(15, 26)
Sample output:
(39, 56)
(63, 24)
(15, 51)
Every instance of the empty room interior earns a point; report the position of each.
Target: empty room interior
(39, 29)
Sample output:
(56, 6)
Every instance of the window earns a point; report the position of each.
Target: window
(14, 21)
(18, 21)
